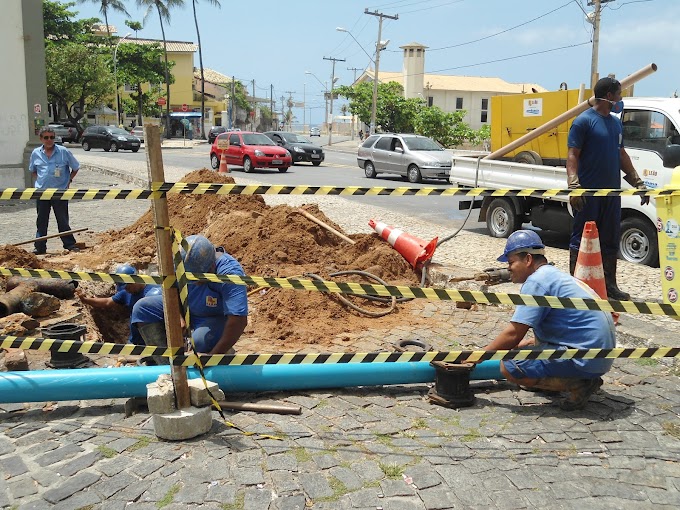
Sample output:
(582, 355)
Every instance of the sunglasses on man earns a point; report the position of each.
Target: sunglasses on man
(48, 137)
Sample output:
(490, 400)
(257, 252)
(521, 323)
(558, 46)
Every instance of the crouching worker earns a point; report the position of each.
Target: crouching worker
(553, 328)
(218, 311)
(127, 294)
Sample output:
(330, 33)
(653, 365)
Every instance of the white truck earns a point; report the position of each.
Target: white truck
(651, 131)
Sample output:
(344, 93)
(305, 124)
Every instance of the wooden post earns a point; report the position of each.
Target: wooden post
(171, 307)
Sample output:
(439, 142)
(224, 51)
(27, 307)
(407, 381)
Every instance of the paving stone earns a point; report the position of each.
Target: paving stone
(13, 466)
(368, 470)
(71, 486)
(191, 493)
(134, 491)
(144, 469)
(61, 453)
(72, 467)
(326, 461)
(20, 488)
(438, 498)
(158, 489)
(281, 461)
(223, 494)
(423, 475)
(285, 482)
(257, 499)
(111, 467)
(38, 504)
(618, 490)
(122, 444)
(315, 485)
(85, 499)
(508, 500)
(116, 483)
(402, 503)
(663, 497)
(295, 502)
(366, 498)
(248, 475)
(525, 479)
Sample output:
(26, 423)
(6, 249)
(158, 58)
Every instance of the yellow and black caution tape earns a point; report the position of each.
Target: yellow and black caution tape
(432, 294)
(161, 189)
(335, 358)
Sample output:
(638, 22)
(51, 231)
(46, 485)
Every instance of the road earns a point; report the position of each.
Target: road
(339, 169)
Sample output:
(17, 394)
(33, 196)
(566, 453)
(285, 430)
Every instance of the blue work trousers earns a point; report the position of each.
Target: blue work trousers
(606, 213)
(60, 208)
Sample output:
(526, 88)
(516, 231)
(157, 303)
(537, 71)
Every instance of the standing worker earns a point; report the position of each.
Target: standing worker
(127, 294)
(554, 328)
(52, 166)
(595, 159)
(218, 311)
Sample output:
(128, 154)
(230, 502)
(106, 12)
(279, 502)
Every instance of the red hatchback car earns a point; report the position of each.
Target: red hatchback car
(249, 150)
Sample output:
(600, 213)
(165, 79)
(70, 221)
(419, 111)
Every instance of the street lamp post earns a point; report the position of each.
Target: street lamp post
(325, 88)
(115, 74)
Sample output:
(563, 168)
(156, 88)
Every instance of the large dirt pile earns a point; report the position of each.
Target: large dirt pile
(268, 241)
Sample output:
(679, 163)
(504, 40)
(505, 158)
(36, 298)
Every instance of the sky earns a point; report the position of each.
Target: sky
(521, 41)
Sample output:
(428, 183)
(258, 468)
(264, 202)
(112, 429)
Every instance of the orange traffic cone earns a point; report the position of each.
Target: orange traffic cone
(224, 169)
(589, 262)
(414, 250)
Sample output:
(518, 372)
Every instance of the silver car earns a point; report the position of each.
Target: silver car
(412, 156)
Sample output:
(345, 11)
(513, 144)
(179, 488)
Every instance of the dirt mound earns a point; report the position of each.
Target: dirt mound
(268, 241)
(14, 257)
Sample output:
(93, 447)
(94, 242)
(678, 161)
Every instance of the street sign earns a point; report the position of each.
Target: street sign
(37, 108)
(161, 101)
(223, 142)
(185, 108)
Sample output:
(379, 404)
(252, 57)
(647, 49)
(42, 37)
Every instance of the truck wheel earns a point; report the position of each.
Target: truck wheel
(501, 218)
(529, 158)
(639, 242)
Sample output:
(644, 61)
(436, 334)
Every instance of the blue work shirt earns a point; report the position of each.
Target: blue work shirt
(600, 139)
(556, 328)
(125, 298)
(55, 171)
(209, 305)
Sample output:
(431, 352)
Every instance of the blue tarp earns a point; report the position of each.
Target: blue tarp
(185, 114)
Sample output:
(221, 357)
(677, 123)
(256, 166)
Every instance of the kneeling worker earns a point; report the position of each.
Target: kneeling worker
(218, 311)
(127, 294)
(553, 328)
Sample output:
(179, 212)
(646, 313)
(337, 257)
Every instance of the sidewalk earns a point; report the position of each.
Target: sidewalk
(365, 448)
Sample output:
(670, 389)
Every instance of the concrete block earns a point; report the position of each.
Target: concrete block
(160, 395)
(199, 395)
(183, 424)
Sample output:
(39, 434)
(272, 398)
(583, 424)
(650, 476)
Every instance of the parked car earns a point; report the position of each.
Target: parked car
(214, 131)
(249, 150)
(138, 131)
(67, 133)
(412, 156)
(315, 131)
(109, 138)
(300, 148)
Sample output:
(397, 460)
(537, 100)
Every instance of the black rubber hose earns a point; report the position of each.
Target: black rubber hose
(381, 299)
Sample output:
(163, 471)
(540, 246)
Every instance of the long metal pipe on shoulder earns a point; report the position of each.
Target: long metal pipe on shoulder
(98, 383)
(573, 112)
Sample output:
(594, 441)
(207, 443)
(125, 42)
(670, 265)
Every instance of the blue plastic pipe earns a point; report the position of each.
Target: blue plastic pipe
(98, 383)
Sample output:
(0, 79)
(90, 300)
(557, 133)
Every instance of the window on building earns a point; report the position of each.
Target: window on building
(484, 116)
(130, 87)
(430, 101)
(459, 103)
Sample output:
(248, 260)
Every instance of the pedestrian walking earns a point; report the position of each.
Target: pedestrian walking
(52, 166)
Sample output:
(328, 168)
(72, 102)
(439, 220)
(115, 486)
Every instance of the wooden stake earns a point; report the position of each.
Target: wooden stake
(166, 267)
(60, 234)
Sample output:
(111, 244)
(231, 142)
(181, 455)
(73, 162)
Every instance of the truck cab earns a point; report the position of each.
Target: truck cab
(651, 136)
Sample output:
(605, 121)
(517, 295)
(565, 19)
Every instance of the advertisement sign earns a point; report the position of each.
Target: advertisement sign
(533, 107)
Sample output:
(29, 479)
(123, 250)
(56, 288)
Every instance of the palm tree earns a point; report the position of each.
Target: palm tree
(134, 25)
(163, 8)
(105, 5)
(216, 3)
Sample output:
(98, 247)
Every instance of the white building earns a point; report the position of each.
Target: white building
(450, 93)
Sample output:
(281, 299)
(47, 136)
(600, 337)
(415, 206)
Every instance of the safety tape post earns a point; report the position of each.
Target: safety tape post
(363, 289)
(160, 189)
(255, 359)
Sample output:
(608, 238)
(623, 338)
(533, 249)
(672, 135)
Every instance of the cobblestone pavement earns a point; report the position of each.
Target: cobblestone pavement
(364, 448)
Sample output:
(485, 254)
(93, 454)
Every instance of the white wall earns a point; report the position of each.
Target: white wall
(13, 115)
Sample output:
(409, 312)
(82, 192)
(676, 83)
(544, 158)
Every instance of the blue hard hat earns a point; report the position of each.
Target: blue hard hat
(154, 291)
(522, 240)
(124, 269)
(200, 257)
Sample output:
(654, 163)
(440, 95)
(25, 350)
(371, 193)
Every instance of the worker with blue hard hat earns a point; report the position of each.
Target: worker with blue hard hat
(127, 294)
(218, 311)
(553, 328)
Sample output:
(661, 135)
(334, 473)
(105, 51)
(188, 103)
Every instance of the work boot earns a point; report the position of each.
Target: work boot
(573, 257)
(579, 390)
(153, 334)
(609, 267)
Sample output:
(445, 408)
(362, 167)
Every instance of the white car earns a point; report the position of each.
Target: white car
(138, 132)
(315, 131)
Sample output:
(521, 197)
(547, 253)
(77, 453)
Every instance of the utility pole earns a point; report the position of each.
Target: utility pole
(304, 107)
(330, 129)
(271, 105)
(252, 117)
(355, 69)
(233, 103)
(378, 49)
(594, 18)
(283, 104)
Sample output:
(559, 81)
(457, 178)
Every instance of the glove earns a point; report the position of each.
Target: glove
(577, 202)
(635, 181)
